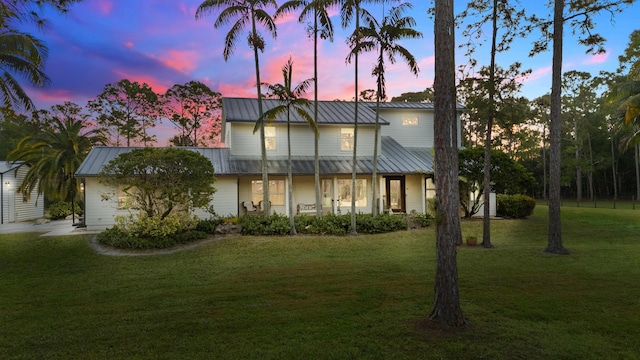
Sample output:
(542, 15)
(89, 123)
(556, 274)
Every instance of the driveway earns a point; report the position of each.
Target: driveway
(51, 228)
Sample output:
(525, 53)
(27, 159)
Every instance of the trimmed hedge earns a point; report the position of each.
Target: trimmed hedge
(330, 224)
(514, 206)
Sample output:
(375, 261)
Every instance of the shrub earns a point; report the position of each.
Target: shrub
(330, 224)
(208, 226)
(145, 232)
(59, 210)
(514, 206)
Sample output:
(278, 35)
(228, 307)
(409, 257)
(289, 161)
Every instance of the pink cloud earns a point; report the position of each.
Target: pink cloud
(596, 59)
(157, 85)
(55, 96)
(538, 74)
(247, 89)
(104, 7)
(182, 61)
(128, 44)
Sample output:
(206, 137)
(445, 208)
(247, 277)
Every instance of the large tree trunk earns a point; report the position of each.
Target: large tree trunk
(354, 231)
(292, 223)
(554, 245)
(316, 151)
(486, 228)
(263, 148)
(446, 308)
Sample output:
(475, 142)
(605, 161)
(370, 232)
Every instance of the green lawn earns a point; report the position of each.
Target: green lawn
(329, 297)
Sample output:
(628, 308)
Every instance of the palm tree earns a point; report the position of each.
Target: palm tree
(322, 25)
(241, 13)
(55, 154)
(350, 9)
(289, 99)
(383, 37)
(23, 55)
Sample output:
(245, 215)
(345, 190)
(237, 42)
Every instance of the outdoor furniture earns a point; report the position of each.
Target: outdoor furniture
(249, 208)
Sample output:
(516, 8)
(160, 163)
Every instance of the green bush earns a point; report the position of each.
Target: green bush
(514, 206)
(208, 226)
(147, 232)
(59, 210)
(329, 224)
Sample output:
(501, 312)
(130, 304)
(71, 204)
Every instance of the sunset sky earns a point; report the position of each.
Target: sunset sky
(159, 42)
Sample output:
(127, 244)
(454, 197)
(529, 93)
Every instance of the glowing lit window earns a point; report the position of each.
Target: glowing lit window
(346, 139)
(270, 137)
(276, 192)
(409, 120)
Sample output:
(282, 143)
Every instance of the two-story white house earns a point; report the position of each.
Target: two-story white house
(404, 167)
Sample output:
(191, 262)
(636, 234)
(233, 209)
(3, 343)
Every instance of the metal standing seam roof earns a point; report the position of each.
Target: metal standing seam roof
(100, 156)
(329, 112)
(394, 159)
(6, 166)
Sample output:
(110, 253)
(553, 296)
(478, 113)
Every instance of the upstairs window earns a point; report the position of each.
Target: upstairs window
(270, 137)
(409, 120)
(346, 139)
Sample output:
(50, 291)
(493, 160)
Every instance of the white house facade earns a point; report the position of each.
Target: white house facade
(404, 162)
(14, 206)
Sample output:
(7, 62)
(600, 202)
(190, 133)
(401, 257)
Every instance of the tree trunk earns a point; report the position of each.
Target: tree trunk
(263, 148)
(316, 157)
(354, 231)
(374, 172)
(554, 245)
(486, 228)
(292, 223)
(446, 308)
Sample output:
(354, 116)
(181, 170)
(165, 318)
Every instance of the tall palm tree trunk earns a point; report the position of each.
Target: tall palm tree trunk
(355, 137)
(292, 223)
(316, 150)
(263, 148)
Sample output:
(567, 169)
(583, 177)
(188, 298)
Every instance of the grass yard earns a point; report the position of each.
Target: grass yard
(329, 297)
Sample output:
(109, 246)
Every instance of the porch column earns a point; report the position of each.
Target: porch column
(423, 193)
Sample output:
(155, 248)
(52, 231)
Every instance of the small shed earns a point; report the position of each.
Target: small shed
(15, 207)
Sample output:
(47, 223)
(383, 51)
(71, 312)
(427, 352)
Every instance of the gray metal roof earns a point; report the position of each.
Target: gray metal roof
(394, 159)
(329, 112)
(409, 105)
(6, 166)
(100, 156)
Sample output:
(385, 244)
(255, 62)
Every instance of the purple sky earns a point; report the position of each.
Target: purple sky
(160, 42)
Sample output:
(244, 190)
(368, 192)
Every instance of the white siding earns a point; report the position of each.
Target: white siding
(244, 143)
(22, 210)
(420, 135)
(225, 200)
(101, 205)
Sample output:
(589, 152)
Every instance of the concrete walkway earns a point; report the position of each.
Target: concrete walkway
(50, 228)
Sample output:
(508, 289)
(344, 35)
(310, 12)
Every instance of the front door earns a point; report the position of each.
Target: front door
(395, 194)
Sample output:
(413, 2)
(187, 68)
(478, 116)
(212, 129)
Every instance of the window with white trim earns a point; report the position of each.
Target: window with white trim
(270, 137)
(276, 192)
(410, 120)
(346, 139)
(344, 192)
